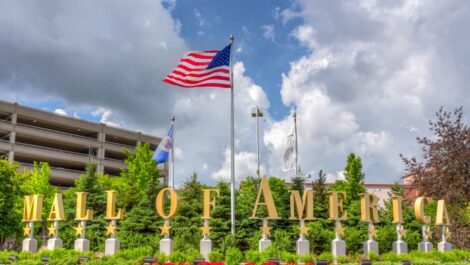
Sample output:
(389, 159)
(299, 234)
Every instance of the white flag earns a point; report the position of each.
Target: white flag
(289, 154)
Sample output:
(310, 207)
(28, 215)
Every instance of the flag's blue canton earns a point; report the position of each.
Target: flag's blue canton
(221, 58)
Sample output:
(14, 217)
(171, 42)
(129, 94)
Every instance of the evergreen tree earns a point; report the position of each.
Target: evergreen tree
(354, 178)
(186, 224)
(320, 195)
(298, 184)
(9, 193)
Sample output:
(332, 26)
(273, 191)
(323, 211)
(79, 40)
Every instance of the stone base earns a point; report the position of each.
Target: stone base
(400, 247)
(444, 246)
(338, 248)
(205, 247)
(166, 246)
(111, 246)
(30, 245)
(303, 246)
(82, 244)
(371, 246)
(264, 243)
(425, 246)
(54, 243)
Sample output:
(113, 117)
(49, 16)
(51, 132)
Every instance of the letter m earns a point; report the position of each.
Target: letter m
(303, 206)
(32, 210)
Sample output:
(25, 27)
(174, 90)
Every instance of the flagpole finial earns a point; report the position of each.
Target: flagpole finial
(232, 38)
(172, 118)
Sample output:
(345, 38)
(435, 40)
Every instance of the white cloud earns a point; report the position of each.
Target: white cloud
(61, 112)
(376, 71)
(245, 166)
(106, 117)
(199, 18)
(268, 32)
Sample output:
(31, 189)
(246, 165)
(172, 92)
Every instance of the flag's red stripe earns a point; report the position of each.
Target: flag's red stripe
(194, 63)
(200, 56)
(201, 85)
(224, 78)
(184, 67)
(176, 72)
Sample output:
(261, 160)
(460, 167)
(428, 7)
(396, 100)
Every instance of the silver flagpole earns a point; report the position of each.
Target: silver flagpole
(232, 142)
(173, 153)
(296, 146)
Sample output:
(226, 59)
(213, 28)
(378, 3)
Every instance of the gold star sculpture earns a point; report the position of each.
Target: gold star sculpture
(51, 230)
(303, 230)
(110, 229)
(26, 230)
(205, 230)
(402, 231)
(448, 234)
(373, 232)
(165, 229)
(265, 230)
(428, 233)
(79, 230)
(339, 229)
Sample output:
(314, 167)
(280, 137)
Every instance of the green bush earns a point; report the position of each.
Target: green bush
(253, 256)
(233, 256)
(178, 257)
(216, 256)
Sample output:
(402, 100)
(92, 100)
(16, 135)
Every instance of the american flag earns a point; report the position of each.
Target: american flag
(202, 69)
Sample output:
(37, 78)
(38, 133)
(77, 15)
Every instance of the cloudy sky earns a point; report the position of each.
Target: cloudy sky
(364, 76)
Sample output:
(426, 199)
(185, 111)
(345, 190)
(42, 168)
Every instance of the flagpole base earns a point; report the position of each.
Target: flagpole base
(400, 247)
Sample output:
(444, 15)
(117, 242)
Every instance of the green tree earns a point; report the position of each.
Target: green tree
(354, 178)
(320, 195)
(9, 193)
(298, 184)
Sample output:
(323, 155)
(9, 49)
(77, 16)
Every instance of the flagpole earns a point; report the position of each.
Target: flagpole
(173, 153)
(232, 142)
(296, 146)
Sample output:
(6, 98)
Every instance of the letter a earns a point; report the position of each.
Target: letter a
(268, 200)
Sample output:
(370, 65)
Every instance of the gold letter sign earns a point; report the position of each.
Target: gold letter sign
(397, 209)
(208, 202)
(173, 203)
(82, 213)
(336, 206)
(442, 218)
(420, 203)
(57, 209)
(111, 206)
(268, 198)
(304, 205)
(32, 210)
(369, 212)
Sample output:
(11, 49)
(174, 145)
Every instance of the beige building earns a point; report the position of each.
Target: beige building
(66, 143)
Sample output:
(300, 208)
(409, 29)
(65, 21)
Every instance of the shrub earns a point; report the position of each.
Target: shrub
(216, 256)
(253, 256)
(233, 256)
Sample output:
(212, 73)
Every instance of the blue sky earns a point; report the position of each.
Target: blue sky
(364, 76)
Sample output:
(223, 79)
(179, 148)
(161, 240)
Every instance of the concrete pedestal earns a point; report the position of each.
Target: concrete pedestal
(30, 245)
(205, 247)
(303, 246)
(371, 246)
(425, 246)
(112, 246)
(400, 247)
(444, 246)
(82, 244)
(338, 247)
(54, 243)
(166, 245)
(264, 243)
